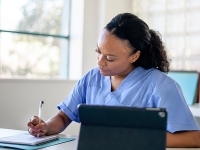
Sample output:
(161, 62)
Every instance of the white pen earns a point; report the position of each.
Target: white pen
(40, 113)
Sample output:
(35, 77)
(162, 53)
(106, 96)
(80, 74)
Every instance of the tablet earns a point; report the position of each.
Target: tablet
(119, 127)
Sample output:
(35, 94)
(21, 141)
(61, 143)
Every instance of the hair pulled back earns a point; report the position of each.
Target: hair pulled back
(129, 27)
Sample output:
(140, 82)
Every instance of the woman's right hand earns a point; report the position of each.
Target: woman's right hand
(37, 129)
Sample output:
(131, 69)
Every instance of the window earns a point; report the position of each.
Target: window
(34, 38)
(178, 23)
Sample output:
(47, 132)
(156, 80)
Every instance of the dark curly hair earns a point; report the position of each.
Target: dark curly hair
(129, 27)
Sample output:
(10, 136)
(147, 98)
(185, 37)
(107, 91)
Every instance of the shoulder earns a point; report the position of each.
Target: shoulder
(163, 84)
(156, 78)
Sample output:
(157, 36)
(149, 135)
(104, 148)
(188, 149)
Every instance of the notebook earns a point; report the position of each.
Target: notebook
(117, 128)
(27, 139)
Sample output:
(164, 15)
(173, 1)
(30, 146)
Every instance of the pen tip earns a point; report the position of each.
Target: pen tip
(41, 103)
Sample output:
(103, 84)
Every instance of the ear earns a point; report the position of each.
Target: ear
(135, 56)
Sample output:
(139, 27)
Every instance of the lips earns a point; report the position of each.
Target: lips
(101, 70)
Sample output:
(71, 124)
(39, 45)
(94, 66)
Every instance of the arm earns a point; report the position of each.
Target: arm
(54, 125)
(57, 123)
(183, 139)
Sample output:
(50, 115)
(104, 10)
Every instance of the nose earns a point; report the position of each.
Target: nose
(101, 61)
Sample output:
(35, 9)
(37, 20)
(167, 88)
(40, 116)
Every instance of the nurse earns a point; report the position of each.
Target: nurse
(132, 66)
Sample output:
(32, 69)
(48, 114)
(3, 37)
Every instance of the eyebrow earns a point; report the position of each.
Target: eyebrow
(108, 54)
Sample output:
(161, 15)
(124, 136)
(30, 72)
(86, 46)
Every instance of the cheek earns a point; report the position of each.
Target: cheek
(117, 67)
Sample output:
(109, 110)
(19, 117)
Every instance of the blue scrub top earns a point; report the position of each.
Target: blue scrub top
(141, 88)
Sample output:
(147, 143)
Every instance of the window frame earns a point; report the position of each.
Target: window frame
(65, 66)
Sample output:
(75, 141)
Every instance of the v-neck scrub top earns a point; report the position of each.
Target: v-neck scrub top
(141, 88)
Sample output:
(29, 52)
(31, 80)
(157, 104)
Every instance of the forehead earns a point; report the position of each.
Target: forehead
(109, 43)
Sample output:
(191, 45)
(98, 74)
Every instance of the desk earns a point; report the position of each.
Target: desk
(72, 145)
(195, 109)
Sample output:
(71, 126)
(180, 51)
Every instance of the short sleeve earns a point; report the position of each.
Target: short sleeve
(76, 97)
(180, 118)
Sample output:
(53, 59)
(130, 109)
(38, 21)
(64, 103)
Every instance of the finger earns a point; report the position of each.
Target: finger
(32, 132)
(30, 124)
(42, 128)
(36, 133)
(40, 134)
(35, 120)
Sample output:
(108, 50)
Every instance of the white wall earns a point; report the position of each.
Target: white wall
(19, 99)
(97, 13)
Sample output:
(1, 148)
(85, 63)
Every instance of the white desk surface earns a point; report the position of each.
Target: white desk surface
(72, 145)
(195, 109)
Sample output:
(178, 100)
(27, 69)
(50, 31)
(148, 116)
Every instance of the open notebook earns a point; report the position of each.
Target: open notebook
(27, 139)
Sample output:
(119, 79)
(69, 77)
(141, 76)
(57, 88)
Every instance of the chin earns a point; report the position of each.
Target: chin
(104, 73)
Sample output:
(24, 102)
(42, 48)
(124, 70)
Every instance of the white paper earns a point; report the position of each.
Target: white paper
(27, 139)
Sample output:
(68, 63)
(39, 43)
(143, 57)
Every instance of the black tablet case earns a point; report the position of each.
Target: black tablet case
(121, 128)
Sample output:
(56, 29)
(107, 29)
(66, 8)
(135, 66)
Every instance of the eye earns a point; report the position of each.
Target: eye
(96, 50)
(110, 60)
(106, 57)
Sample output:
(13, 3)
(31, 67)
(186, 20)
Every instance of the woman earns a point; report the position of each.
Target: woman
(132, 63)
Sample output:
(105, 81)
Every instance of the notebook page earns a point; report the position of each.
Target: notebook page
(27, 139)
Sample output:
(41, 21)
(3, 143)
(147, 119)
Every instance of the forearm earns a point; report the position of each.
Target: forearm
(57, 123)
(183, 139)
